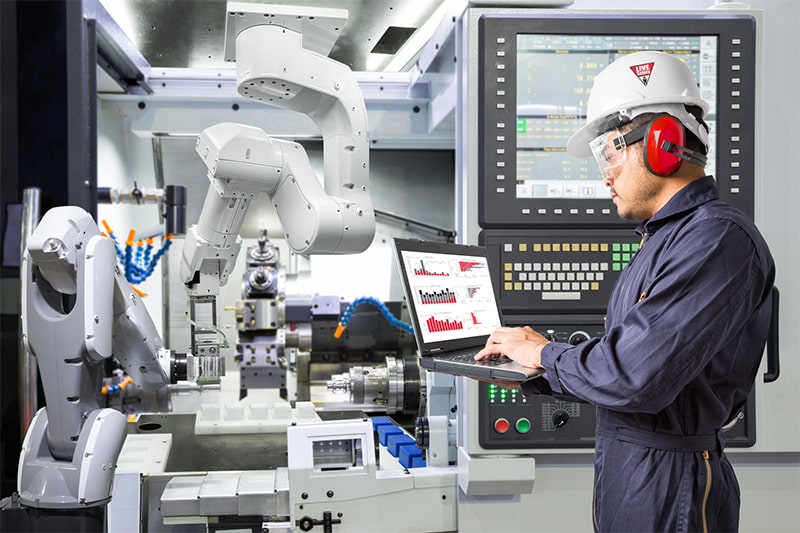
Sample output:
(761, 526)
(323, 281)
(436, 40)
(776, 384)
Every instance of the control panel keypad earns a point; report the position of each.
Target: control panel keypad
(572, 274)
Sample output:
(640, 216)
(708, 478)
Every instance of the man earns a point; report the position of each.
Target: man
(688, 319)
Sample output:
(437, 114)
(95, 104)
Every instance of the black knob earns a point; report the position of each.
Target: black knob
(560, 418)
(578, 337)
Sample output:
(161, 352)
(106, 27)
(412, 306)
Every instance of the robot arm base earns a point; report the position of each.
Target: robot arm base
(47, 483)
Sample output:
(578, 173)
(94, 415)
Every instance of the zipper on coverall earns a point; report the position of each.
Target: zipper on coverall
(644, 292)
(708, 489)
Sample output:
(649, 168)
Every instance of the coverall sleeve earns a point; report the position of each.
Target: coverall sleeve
(700, 291)
(541, 385)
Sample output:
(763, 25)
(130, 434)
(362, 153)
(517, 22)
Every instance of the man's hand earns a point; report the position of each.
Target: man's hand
(523, 345)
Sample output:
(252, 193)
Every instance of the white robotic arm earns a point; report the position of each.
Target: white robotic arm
(77, 311)
(279, 63)
(243, 161)
(305, 81)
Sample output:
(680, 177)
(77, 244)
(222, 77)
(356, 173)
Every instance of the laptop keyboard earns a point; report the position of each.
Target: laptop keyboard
(469, 357)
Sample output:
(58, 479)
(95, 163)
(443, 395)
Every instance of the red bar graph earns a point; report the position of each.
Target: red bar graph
(435, 325)
(466, 266)
(421, 270)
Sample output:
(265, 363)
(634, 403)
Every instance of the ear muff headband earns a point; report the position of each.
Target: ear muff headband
(663, 151)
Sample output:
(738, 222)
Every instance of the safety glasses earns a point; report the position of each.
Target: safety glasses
(609, 149)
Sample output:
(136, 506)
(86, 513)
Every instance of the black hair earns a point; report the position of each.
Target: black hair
(692, 142)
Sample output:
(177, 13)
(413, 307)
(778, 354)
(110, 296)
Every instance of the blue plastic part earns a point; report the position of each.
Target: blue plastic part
(381, 421)
(386, 430)
(128, 261)
(139, 264)
(399, 324)
(395, 441)
(408, 453)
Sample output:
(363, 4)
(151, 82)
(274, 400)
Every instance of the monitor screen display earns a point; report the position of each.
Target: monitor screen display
(532, 82)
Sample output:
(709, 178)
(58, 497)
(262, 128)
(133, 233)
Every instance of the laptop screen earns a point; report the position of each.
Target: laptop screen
(449, 291)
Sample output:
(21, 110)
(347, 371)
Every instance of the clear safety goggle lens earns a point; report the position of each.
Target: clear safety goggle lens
(609, 150)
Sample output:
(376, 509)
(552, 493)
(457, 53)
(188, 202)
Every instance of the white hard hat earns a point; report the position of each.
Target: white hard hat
(642, 82)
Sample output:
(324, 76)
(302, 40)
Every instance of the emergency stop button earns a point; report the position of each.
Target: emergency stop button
(501, 425)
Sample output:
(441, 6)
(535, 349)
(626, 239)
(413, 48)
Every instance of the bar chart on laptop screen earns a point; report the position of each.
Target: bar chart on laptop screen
(452, 295)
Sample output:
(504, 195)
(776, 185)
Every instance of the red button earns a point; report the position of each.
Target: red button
(501, 425)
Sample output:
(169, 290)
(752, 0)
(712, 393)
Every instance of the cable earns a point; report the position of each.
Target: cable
(381, 307)
(138, 265)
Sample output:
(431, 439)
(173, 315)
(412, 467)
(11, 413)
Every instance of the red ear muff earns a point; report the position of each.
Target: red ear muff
(657, 155)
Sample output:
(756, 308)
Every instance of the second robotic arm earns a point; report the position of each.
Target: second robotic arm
(78, 310)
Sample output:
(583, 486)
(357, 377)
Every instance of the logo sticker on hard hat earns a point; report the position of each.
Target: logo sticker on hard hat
(643, 72)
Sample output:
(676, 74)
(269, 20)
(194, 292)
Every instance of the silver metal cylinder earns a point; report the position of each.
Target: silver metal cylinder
(299, 336)
(378, 385)
(29, 404)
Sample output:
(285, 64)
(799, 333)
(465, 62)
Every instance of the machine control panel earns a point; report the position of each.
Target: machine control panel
(556, 245)
(511, 420)
(542, 421)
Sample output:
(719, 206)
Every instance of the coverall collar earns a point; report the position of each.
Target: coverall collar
(695, 194)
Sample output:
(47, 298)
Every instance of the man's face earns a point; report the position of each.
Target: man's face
(633, 188)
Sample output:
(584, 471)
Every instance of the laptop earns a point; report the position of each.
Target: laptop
(453, 308)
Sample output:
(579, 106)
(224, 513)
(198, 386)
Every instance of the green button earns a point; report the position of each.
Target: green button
(615, 247)
(616, 267)
(616, 257)
(626, 247)
(635, 246)
(523, 425)
(626, 257)
(522, 126)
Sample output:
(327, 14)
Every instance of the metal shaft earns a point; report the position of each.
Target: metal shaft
(29, 403)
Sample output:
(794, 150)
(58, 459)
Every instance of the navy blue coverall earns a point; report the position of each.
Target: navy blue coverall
(686, 327)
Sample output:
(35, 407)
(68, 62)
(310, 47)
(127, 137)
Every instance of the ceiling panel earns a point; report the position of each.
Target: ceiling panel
(191, 33)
